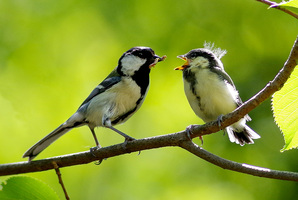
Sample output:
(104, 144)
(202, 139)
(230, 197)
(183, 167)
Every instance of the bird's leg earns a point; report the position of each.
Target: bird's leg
(127, 137)
(92, 149)
(95, 138)
(189, 132)
(107, 123)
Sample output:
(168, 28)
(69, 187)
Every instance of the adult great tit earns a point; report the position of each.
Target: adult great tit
(211, 92)
(113, 101)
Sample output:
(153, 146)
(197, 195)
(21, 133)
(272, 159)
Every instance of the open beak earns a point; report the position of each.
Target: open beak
(186, 65)
(156, 60)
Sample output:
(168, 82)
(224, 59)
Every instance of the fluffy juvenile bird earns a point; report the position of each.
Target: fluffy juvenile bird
(211, 92)
(113, 101)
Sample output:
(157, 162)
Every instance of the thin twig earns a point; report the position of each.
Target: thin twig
(275, 5)
(56, 167)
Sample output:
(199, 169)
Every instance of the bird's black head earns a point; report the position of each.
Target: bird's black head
(195, 53)
(136, 63)
(137, 59)
(202, 58)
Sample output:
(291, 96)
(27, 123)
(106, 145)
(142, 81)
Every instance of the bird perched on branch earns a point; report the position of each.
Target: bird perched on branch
(211, 92)
(113, 101)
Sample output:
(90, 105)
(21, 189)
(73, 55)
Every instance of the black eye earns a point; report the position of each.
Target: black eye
(192, 55)
(139, 54)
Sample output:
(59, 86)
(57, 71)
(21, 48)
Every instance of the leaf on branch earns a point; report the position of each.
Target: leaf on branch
(285, 111)
(290, 5)
(26, 188)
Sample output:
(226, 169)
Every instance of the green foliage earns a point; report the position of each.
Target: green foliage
(26, 188)
(285, 108)
(290, 5)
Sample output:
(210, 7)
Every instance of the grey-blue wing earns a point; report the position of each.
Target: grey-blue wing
(227, 78)
(107, 83)
(221, 73)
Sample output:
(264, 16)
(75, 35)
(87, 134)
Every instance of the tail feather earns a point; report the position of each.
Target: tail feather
(76, 120)
(46, 141)
(242, 137)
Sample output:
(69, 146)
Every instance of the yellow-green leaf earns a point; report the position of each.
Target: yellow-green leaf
(285, 110)
(26, 188)
(290, 5)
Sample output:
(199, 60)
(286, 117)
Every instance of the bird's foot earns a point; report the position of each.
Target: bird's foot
(127, 139)
(93, 149)
(189, 132)
(219, 120)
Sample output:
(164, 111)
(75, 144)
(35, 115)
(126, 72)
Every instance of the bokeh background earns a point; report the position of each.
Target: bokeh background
(53, 53)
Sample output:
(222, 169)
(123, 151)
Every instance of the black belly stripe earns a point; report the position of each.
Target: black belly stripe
(191, 79)
(127, 114)
(124, 116)
(141, 77)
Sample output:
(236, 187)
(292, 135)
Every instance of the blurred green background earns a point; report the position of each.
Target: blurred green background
(53, 53)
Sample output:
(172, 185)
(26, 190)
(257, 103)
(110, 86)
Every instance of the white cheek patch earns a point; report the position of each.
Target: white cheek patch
(200, 61)
(131, 63)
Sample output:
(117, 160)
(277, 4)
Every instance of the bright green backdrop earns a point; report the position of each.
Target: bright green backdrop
(53, 53)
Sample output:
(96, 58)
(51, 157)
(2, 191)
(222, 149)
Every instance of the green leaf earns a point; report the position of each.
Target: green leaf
(26, 188)
(290, 5)
(285, 111)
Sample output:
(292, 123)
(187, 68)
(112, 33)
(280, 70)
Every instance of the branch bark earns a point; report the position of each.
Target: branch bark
(275, 5)
(238, 167)
(179, 139)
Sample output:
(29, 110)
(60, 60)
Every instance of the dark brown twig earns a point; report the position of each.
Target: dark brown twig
(56, 167)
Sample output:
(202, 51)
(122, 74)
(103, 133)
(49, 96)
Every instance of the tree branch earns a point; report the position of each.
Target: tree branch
(179, 139)
(238, 167)
(275, 5)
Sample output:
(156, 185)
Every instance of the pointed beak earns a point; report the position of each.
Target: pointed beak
(186, 65)
(182, 57)
(157, 59)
